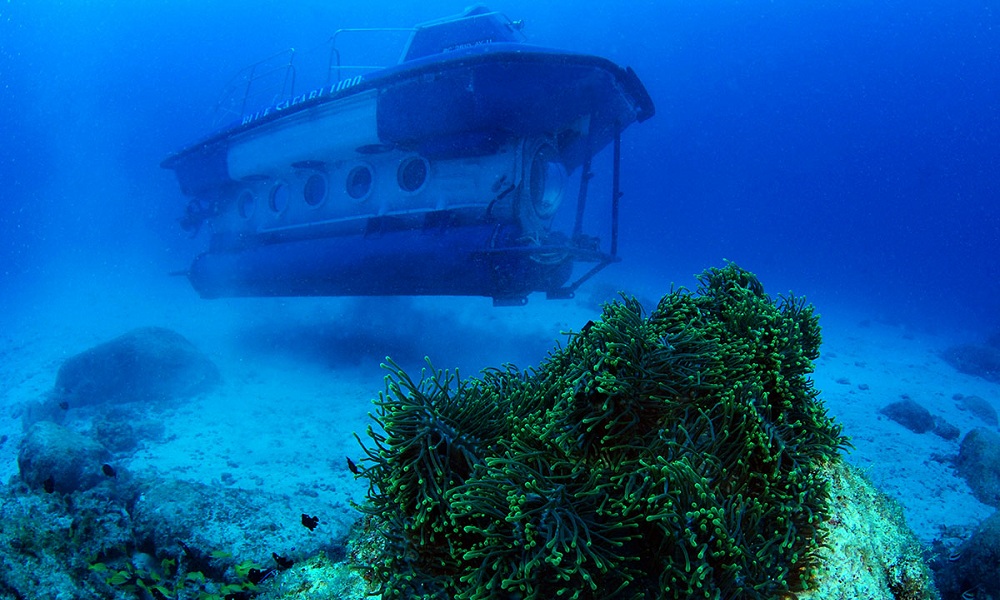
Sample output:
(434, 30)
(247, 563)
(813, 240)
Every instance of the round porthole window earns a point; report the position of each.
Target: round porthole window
(359, 182)
(314, 191)
(245, 204)
(278, 200)
(412, 174)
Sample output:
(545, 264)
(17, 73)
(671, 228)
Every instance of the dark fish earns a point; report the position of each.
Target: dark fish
(64, 405)
(282, 562)
(586, 327)
(187, 550)
(310, 522)
(108, 470)
(49, 485)
(353, 467)
(256, 576)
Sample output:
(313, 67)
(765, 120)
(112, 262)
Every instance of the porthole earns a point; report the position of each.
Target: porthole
(278, 198)
(546, 182)
(359, 182)
(314, 191)
(412, 174)
(245, 204)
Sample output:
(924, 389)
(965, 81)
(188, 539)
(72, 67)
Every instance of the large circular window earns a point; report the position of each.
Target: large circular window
(245, 204)
(359, 182)
(412, 174)
(278, 198)
(314, 191)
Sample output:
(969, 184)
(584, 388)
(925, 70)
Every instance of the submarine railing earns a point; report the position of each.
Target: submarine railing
(334, 63)
(247, 77)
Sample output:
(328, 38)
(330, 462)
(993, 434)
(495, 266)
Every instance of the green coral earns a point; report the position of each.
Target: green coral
(669, 456)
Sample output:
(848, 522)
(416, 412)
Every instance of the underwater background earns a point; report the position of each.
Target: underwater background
(846, 151)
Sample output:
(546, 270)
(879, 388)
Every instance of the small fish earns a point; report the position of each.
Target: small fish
(108, 470)
(283, 563)
(256, 576)
(310, 522)
(187, 549)
(49, 485)
(353, 467)
(64, 405)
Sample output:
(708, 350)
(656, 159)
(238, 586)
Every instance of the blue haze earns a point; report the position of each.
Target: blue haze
(849, 151)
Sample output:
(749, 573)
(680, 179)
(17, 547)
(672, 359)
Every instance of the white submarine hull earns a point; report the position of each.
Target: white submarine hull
(446, 174)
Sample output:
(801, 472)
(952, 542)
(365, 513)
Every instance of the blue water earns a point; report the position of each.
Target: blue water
(849, 151)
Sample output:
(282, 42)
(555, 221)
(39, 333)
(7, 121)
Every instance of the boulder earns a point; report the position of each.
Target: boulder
(150, 364)
(55, 458)
(945, 430)
(975, 359)
(979, 407)
(979, 463)
(974, 565)
(909, 414)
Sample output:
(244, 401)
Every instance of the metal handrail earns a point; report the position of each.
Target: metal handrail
(334, 62)
(247, 77)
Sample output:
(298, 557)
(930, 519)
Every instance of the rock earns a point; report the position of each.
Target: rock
(974, 565)
(867, 550)
(945, 430)
(48, 543)
(979, 463)
(340, 582)
(115, 435)
(151, 364)
(249, 525)
(909, 414)
(975, 359)
(72, 461)
(46, 409)
(979, 407)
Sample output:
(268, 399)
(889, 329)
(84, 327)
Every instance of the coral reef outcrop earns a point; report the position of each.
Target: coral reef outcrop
(677, 455)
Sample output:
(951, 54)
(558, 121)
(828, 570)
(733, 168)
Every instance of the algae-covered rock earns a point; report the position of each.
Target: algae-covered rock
(317, 578)
(48, 543)
(184, 517)
(59, 459)
(867, 549)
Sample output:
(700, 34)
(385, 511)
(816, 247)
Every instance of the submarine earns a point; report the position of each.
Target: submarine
(461, 169)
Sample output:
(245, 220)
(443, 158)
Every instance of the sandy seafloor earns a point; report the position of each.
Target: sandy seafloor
(298, 376)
